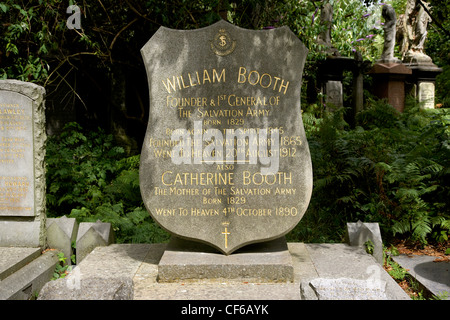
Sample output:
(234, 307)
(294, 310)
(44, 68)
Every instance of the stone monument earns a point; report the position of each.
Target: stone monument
(225, 160)
(389, 73)
(24, 269)
(331, 70)
(22, 170)
(390, 20)
(413, 32)
(331, 73)
(412, 36)
(324, 38)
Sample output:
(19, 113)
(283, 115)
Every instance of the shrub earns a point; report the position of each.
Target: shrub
(90, 179)
(392, 168)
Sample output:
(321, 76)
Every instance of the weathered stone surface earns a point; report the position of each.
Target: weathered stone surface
(189, 261)
(20, 233)
(22, 156)
(334, 94)
(106, 274)
(338, 260)
(61, 233)
(389, 28)
(426, 94)
(29, 279)
(13, 258)
(22, 130)
(348, 289)
(197, 179)
(91, 235)
(413, 32)
(433, 275)
(359, 233)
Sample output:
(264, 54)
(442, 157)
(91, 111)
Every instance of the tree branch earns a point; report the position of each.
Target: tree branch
(433, 19)
(145, 16)
(122, 30)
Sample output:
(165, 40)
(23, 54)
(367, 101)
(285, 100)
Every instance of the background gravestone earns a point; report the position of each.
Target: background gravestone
(388, 72)
(334, 94)
(412, 37)
(426, 94)
(22, 170)
(198, 180)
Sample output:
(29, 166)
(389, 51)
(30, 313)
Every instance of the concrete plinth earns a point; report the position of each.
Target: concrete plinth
(264, 262)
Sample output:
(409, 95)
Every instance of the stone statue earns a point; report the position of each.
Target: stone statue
(324, 38)
(413, 32)
(389, 28)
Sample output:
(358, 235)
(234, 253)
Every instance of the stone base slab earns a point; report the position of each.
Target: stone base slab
(130, 271)
(30, 274)
(193, 261)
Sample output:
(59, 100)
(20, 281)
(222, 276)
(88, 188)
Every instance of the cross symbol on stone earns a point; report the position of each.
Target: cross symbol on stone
(226, 233)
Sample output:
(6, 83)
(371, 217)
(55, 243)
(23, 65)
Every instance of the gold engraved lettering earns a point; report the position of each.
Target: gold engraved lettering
(13, 190)
(217, 77)
(258, 179)
(168, 178)
(188, 80)
(264, 212)
(264, 80)
(223, 41)
(204, 212)
(165, 212)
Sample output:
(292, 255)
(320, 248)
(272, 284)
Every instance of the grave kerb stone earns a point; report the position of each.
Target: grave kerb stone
(188, 261)
(61, 233)
(360, 233)
(91, 235)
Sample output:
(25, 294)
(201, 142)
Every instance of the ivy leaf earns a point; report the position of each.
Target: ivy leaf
(4, 7)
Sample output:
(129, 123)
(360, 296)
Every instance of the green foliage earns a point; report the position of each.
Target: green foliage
(396, 271)
(438, 47)
(79, 168)
(394, 251)
(369, 246)
(88, 178)
(392, 168)
(444, 295)
(37, 46)
(401, 275)
(26, 39)
(62, 269)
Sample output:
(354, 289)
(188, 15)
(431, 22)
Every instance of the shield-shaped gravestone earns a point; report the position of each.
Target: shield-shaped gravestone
(225, 160)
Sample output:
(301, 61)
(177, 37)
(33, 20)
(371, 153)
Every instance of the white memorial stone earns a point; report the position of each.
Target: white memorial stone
(426, 95)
